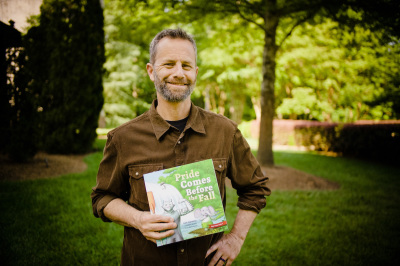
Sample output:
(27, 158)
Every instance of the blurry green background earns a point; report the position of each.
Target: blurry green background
(324, 71)
(327, 61)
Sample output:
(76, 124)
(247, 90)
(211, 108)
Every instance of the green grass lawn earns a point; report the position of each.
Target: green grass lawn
(50, 221)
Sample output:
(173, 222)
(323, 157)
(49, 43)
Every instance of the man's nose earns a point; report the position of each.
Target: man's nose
(178, 73)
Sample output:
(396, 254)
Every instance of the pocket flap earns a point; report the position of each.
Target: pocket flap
(219, 164)
(137, 171)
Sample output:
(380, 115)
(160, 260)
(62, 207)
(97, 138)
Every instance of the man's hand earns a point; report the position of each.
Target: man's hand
(152, 226)
(155, 227)
(228, 248)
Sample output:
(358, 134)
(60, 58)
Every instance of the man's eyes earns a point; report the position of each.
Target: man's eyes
(184, 66)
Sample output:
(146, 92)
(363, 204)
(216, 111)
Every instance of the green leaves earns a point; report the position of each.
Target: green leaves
(304, 105)
(348, 66)
(346, 71)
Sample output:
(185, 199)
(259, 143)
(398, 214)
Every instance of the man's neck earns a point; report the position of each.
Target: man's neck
(172, 111)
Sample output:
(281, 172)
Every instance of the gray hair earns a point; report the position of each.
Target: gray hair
(173, 34)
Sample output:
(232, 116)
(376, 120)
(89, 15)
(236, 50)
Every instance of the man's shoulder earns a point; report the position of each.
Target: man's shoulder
(217, 119)
(138, 121)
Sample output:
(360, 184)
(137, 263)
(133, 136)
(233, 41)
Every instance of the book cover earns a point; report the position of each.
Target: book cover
(190, 195)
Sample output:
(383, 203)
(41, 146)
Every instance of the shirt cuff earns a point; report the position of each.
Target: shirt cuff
(255, 205)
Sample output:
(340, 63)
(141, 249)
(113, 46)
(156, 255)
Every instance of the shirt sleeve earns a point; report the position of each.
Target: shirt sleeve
(111, 183)
(246, 176)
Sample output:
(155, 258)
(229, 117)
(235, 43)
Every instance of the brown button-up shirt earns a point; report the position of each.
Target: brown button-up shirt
(148, 143)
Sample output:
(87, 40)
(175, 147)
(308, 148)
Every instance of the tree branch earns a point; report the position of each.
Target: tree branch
(256, 7)
(231, 7)
(234, 7)
(299, 22)
(248, 19)
(301, 6)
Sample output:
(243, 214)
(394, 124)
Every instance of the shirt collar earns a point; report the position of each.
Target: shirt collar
(160, 126)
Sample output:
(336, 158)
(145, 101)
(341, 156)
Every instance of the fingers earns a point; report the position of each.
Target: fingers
(216, 258)
(154, 236)
(154, 218)
(227, 249)
(221, 261)
(156, 227)
(151, 222)
(212, 249)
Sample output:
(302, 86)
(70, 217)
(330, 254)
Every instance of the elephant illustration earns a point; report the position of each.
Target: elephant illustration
(205, 214)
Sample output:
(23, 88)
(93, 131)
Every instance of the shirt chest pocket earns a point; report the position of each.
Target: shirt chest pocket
(138, 195)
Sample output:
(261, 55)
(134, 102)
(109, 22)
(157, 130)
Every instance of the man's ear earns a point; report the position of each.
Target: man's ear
(150, 71)
(197, 70)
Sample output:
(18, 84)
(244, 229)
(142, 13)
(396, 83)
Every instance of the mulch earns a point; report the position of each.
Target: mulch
(43, 165)
(287, 178)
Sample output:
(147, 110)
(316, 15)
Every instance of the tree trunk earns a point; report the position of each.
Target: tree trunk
(265, 155)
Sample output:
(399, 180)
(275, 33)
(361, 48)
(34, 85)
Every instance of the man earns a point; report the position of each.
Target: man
(175, 132)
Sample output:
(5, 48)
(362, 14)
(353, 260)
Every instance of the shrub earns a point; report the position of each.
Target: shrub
(66, 56)
(317, 136)
(372, 140)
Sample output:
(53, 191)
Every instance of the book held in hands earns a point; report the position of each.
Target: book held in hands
(190, 195)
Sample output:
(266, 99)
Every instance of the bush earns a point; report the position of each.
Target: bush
(371, 141)
(379, 141)
(317, 136)
(66, 56)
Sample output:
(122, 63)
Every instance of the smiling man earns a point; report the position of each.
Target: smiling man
(175, 132)
(175, 71)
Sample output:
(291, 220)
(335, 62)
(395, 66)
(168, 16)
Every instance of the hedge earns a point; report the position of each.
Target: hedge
(373, 140)
(365, 139)
(66, 56)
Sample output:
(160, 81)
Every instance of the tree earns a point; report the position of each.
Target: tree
(268, 15)
(348, 71)
(65, 60)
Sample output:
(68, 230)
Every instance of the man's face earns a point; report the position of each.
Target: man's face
(174, 70)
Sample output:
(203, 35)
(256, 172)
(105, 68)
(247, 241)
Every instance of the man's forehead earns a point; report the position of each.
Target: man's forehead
(168, 39)
(169, 49)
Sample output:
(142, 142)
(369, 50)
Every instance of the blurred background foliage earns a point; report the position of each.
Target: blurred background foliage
(325, 71)
(329, 68)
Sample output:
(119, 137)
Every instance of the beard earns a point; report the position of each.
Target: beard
(173, 95)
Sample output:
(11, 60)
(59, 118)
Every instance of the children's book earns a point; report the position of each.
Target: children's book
(190, 195)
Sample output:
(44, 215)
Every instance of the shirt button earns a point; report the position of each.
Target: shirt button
(179, 142)
(182, 250)
(220, 166)
(137, 173)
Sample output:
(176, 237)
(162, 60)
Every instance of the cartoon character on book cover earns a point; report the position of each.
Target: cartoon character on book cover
(190, 195)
